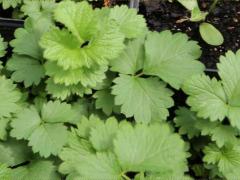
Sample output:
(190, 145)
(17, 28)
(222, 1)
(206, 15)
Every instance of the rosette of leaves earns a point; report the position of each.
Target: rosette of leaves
(109, 150)
(78, 54)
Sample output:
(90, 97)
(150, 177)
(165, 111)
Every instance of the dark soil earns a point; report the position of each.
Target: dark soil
(162, 15)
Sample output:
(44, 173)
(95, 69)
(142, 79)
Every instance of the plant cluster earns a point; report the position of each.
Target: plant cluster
(88, 94)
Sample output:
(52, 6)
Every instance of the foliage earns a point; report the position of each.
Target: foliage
(208, 32)
(90, 94)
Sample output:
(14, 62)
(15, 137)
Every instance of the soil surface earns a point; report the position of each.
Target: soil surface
(162, 15)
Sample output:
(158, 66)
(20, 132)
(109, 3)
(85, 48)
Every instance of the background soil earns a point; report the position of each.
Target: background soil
(226, 17)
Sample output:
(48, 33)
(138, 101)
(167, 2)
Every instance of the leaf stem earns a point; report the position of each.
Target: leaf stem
(125, 176)
(213, 5)
(140, 74)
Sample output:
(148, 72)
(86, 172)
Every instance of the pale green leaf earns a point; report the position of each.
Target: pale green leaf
(4, 123)
(26, 123)
(227, 159)
(13, 152)
(207, 97)
(210, 34)
(152, 148)
(164, 50)
(57, 112)
(37, 170)
(105, 101)
(10, 3)
(48, 139)
(25, 69)
(145, 99)
(103, 134)
(3, 46)
(9, 96)
(131, 60)
(62, 92)
(131, 24)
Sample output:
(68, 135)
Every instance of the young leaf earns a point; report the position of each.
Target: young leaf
(210, 34)
(189, 4)
(164, 50)
(145, 99)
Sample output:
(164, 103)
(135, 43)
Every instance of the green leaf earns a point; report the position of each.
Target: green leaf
(3, 46)
(10, 3)
(48, 139)
(207, 97)
(25, 69)
(217, 99)
(65, 47)
(186, 120)
(26, 123)
(35, 9)
(145, 99)
(9, 96)
(88, 77)
(105, 101)
(103, 134)
(46, 133)
(5, 172)
(13, 152)
(227, 159)
(190, 5)
(131, 60)
(4, 123)
(36, 170)
(164, 50)
(57, 112)
(86, 124)
(210, 34)
(131, 24)
(62, 92)
(197, 15)
(150, 149)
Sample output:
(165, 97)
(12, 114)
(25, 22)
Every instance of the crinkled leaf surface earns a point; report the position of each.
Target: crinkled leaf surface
(145, 99)
(164, 50)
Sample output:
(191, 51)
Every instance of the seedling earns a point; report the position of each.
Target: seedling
(208, 32)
